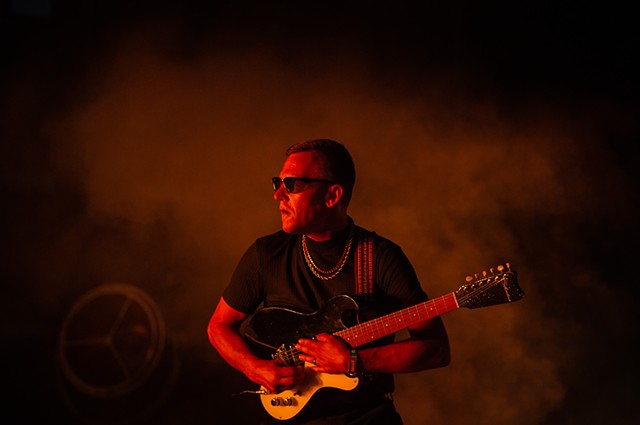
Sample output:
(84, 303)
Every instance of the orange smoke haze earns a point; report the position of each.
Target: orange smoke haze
(171, 158)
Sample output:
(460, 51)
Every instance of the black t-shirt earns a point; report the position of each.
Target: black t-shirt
(273, 273)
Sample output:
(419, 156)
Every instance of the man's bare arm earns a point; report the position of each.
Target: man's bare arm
(224, 334)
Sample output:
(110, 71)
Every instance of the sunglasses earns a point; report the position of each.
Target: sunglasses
(290, 182)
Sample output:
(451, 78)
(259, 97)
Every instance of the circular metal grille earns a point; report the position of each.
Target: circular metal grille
(111, 341)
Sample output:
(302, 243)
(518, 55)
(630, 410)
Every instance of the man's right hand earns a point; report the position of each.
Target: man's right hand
(274, 376)
(224, 334)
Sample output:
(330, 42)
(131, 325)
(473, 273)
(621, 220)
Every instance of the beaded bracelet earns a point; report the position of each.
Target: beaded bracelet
(353, 363)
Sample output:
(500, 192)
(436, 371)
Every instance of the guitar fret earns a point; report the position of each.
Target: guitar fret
(388, 324)
(382, 326)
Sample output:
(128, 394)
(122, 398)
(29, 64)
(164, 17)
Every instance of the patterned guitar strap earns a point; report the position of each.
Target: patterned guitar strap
(364, 263)
(364, 278)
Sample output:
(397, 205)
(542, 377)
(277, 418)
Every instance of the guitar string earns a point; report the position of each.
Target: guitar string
(379, 327)
(292, 356)
(392, 320)
(373, 325)
(382, 325)
(288, 355)
(481, 289)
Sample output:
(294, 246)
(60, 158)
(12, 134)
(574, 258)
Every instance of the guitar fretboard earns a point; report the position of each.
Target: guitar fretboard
(388, 324)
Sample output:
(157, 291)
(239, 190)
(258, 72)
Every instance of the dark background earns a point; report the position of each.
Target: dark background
(137, 143)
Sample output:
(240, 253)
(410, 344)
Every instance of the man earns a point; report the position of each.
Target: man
(301, 267)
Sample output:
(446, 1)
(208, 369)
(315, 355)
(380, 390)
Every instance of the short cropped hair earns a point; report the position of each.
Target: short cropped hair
(338, 164)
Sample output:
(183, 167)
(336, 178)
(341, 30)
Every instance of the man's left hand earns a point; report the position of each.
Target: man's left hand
(327, 353)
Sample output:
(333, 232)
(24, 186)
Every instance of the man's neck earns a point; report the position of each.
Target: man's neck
(331, 231)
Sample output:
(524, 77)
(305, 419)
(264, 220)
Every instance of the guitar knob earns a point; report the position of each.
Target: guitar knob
(287, 401)
(276, 401)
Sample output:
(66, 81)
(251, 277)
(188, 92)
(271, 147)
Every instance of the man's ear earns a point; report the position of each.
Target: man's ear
(334, 195)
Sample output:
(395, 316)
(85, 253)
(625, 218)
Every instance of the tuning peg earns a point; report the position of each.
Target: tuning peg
(491, 270)
(508, 266)
(468, 278)
(476, 275)
(500, 268)
(484, 273)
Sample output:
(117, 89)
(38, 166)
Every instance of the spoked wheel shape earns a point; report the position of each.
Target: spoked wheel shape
(114, 355)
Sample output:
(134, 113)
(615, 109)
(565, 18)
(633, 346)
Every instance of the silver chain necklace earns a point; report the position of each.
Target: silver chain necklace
(334, 271)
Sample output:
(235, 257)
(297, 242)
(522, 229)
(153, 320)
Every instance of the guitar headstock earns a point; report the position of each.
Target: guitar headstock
(498, 286)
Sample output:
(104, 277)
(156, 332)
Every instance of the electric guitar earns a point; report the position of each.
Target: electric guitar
(275, 328)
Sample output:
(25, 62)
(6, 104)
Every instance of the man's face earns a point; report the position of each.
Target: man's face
(302, 211)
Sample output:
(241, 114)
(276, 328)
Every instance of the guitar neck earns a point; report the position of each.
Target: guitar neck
(391, 323)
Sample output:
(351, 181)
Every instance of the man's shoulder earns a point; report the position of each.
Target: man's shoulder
(378, 239)
(386, 249)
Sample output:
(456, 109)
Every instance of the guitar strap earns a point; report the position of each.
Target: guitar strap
(364, 264)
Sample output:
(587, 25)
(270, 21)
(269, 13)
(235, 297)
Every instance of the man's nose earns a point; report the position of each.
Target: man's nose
(280, 193)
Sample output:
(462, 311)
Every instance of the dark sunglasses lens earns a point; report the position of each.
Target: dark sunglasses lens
(276, 183)
(289, 183)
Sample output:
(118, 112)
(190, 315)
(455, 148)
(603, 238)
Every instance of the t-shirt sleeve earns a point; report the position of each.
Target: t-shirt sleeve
(244, 292)
(397, 277)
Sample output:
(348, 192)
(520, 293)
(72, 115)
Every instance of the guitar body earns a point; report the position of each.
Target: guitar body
(278, 329)
(272, 327)
(288, 403)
